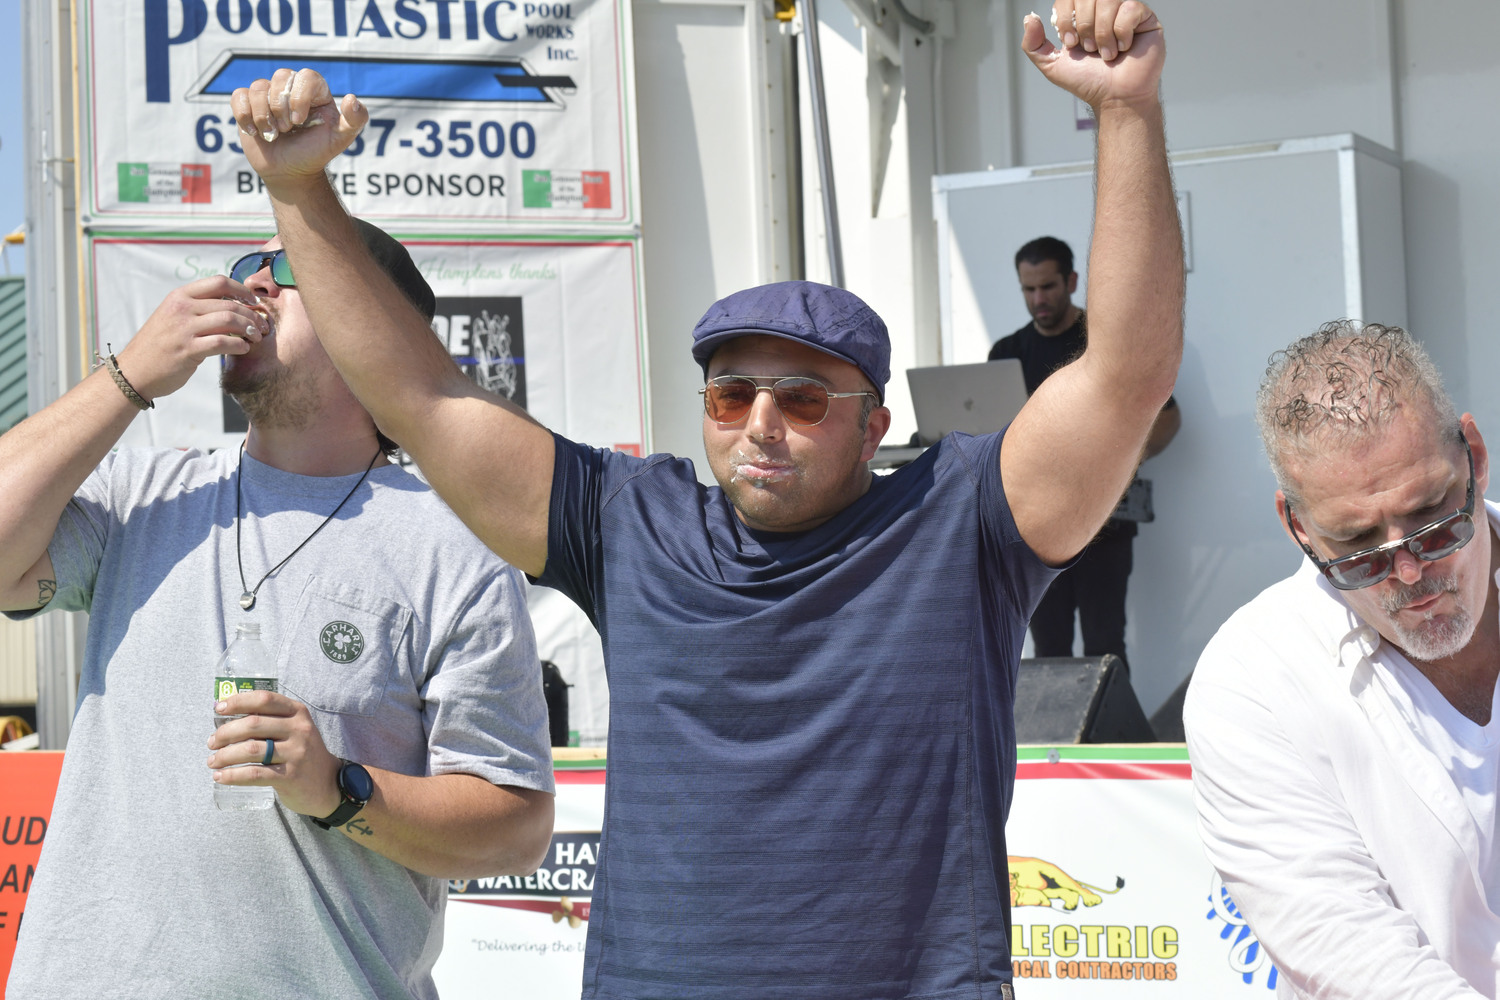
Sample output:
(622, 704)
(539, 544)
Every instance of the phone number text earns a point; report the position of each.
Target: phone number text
(463, 139)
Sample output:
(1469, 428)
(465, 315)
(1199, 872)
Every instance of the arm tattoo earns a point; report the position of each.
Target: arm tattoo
(46, 590)
(360, 827)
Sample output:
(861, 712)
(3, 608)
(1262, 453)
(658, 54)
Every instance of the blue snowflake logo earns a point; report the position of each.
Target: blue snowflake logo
(1246, 956)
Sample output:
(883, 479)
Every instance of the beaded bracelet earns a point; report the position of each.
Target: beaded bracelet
(113, 365)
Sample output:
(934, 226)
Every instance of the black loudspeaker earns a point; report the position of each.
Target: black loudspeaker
(1167, 720)
(555, 691)
(1060, 700)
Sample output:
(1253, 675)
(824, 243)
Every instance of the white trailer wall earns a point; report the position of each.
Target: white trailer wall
(714, 193)
(1399, 72)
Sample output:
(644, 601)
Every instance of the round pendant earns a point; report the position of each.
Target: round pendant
(247, 600)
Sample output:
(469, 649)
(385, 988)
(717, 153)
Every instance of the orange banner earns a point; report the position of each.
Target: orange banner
(28, 783)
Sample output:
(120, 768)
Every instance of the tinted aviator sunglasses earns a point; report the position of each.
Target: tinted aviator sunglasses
(1368, 567)
(728, 398)
(281, 272)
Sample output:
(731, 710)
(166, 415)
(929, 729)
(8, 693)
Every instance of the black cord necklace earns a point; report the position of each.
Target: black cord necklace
(247, 599)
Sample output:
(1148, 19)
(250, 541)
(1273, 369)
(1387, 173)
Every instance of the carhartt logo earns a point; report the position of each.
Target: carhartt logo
(341, 642)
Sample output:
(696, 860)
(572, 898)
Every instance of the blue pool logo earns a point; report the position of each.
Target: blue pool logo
(1246, 956)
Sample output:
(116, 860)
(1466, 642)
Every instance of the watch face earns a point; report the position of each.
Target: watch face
(356, 783)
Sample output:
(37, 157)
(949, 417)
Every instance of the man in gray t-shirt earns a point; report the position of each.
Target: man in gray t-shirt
(409, 748)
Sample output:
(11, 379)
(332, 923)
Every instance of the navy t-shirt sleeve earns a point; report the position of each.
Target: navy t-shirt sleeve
(584, 479)
(1007, 557)
(574, 555)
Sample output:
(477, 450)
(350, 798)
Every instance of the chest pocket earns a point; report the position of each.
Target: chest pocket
(340, 653)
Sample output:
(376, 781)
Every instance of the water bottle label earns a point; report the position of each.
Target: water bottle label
(226, 686)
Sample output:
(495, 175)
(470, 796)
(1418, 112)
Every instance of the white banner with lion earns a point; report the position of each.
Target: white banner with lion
(1110, 894)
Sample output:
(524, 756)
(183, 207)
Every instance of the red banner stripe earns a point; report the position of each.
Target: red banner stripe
(580, 906)
(1117, 770)
(1106, 769)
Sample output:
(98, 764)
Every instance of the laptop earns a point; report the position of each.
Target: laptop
(977, 399)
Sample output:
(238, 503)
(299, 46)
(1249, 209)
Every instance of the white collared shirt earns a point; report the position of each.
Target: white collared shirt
(1351, 819)
(1468, 751)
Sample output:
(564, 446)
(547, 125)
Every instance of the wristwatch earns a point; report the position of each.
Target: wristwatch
(355, 788)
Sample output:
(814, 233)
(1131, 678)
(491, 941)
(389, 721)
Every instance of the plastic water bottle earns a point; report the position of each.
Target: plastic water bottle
(245, 666)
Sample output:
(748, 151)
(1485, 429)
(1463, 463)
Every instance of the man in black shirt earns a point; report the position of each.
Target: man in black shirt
(1095, 585)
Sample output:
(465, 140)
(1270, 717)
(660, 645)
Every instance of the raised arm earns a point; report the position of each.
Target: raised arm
(1075, 445)
(485, 456)
(45, 458)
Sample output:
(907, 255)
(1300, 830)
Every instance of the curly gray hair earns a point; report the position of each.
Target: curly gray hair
(1346, 378)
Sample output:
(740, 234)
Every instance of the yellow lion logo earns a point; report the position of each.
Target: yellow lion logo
(1034, 882)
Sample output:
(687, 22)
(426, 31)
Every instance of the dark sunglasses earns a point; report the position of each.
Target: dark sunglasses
(727, 399)
(248, 265)
(1368, 567)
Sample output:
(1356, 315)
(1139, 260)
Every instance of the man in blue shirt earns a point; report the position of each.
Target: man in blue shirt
(811, 669)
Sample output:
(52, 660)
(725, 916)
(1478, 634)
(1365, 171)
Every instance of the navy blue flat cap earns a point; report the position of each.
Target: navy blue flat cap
(833, 320)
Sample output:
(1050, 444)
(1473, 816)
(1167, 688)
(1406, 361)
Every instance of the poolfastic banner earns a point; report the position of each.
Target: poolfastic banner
(490, 112)
(553, 324)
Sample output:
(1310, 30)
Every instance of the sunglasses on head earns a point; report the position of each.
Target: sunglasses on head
(250, 264)
(727, 399)
(1368, 567)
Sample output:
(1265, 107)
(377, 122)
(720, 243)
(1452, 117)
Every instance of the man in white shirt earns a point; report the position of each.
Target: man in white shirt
(1342, 725)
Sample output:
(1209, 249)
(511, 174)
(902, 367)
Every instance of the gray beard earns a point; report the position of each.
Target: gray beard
(1431, 639)
(279, 399)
